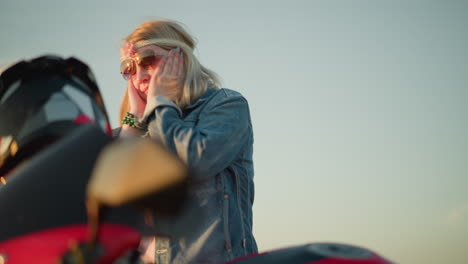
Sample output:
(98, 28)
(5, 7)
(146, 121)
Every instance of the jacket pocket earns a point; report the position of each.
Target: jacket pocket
(227, 235)
(239, 207)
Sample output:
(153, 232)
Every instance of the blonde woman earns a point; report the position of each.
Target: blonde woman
(172, 98)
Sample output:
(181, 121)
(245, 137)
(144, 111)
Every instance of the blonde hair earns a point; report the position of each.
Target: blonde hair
(168, 35)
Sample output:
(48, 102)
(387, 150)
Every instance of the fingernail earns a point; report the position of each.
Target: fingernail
(177, 49)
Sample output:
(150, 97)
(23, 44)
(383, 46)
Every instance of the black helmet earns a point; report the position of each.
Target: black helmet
(41, 100)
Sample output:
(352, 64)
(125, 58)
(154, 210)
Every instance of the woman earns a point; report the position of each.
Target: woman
(172, 98)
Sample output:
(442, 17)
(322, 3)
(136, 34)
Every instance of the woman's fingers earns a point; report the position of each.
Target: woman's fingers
(180, 67)
(168, 78)
(135, 94)
(137, 103)
(174, 65)
(160, 68)
(168, 69)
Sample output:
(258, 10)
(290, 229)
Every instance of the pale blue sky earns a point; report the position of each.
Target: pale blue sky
(359, 107)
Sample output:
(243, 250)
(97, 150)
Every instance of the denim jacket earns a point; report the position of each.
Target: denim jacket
(214, 136)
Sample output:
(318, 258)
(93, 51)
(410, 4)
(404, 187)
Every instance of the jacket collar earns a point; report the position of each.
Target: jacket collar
(203, 98)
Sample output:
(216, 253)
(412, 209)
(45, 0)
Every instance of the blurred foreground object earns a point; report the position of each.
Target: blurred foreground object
(317, 253)
(41, 101)
(134, 169)
(53, 125)
(45, 199)
(64, 245)
(43, 205)
(53, 128)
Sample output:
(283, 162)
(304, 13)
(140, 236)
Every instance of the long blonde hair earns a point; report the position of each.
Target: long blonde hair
(169, 34)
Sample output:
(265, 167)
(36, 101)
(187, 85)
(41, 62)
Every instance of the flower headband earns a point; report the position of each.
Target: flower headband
(169, 42)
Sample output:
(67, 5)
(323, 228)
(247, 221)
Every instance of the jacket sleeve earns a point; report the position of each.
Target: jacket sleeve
(211, 143)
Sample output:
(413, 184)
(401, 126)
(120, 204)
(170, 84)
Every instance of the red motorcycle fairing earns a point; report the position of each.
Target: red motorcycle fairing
(48, 191)
(315, 253)
(49, 246)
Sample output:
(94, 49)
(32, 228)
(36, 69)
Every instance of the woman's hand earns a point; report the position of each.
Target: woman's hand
(168, 79)
(135, 99)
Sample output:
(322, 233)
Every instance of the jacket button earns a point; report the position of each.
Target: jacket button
(226, 196)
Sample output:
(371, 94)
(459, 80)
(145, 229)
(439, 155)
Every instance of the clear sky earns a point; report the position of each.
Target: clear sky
(359, 107)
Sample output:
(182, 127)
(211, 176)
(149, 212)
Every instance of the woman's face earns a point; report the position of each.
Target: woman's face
(145, 60)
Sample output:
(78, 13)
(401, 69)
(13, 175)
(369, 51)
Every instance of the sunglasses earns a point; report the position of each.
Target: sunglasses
(143, 59)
